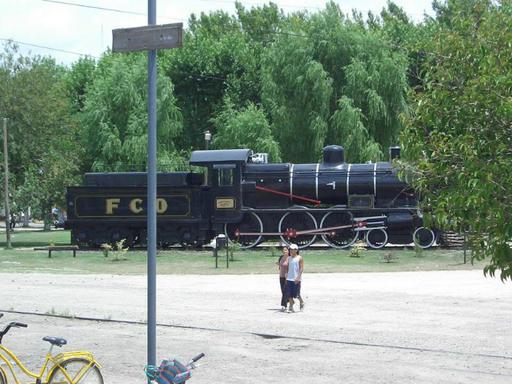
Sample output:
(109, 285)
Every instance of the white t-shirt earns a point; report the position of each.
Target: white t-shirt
(293, 268)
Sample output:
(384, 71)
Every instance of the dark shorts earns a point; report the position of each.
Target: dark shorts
(292, 289)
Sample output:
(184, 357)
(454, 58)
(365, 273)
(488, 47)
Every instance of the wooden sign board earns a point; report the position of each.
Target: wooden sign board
(147, 38)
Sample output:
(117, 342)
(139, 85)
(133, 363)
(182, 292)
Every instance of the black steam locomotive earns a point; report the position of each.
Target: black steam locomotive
(251, 201)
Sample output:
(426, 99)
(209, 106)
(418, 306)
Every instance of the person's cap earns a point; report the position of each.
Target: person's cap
(294, 246)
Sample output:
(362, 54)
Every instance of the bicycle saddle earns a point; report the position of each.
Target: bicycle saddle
(58, 341)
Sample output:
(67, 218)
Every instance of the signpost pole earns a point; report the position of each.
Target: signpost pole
(152, 157)
(6, 190)
(150, 38)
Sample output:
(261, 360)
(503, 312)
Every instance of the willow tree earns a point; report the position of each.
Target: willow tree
(245, 128)
(331, 79)
(296, 91)
(217, 60)
(115, 117)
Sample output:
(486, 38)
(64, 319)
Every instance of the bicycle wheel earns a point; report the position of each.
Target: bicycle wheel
(76, 368)
(3, 377)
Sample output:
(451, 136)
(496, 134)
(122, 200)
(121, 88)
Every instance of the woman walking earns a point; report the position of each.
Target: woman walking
(283, 270)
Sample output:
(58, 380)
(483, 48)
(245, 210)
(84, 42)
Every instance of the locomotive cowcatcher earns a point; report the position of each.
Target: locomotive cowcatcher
(252, 201)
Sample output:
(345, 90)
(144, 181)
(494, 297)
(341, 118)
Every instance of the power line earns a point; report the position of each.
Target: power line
(107, 9)
(50, 48)
(94, 7)
(260, 3)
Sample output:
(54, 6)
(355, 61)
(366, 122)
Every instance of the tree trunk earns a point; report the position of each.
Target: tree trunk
(47, 216)
(26, 218)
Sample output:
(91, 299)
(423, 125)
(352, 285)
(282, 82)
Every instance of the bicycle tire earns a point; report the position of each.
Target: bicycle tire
(3, 377)
(73, 366)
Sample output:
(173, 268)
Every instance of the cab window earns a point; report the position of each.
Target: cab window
(225, 174)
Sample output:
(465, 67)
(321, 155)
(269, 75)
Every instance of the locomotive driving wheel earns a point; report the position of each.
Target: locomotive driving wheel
(251, 223)
(376, 238)
(424, 237)
(339, 238)
(298, 220)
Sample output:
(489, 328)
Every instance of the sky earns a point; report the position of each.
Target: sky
(78, 30)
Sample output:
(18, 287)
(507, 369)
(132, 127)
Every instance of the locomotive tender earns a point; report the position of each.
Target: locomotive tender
(251, 201)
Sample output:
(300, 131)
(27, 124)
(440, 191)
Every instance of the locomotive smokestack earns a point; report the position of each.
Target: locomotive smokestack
(394, 153)
(334, 154)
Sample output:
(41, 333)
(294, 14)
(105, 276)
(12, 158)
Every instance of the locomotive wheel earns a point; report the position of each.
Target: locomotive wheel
(376, 238)
(341, 238)
(299, 221)
(424, 237)
(251, 222)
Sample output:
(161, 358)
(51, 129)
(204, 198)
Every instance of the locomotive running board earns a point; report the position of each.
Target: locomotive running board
(369, 218)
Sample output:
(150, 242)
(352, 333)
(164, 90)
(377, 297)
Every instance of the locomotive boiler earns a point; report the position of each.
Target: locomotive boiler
(251, 201)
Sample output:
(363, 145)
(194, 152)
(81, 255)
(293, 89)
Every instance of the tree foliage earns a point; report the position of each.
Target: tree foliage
(43, 149)
(460, 137)
(296, 92)
(216, 61)
(247, 128)
(333, 79)
(114, 117)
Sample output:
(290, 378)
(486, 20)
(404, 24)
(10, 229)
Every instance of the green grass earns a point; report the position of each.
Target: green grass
(35, 238)
(24, 259)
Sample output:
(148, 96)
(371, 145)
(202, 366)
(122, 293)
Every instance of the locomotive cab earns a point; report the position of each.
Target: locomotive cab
(224, 177)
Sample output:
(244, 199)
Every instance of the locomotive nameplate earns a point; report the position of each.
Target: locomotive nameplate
(91, 206)
(225, 203)
(361, 201)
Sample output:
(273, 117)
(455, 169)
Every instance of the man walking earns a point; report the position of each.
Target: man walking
(294, 277)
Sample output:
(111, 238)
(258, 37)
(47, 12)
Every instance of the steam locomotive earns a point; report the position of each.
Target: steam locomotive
(250, 201)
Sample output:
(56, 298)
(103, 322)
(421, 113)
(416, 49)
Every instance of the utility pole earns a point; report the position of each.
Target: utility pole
(6, 189)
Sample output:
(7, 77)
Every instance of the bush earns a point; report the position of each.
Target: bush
(388, 257)
(117, 250)
(357, 249)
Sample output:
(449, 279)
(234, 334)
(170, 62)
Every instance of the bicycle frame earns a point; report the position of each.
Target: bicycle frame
(6, 356)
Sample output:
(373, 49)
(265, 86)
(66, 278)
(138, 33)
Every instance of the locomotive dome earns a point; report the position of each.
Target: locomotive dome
(334, 154)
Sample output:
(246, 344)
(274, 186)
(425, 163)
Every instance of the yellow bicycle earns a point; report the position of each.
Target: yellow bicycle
(77, 367)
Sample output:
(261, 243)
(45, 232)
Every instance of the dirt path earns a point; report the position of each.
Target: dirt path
(409, 327)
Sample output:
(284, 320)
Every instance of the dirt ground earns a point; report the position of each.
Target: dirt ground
(407, 327)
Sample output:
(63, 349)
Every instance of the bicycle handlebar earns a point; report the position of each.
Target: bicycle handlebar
(200, 356)
(13, 324)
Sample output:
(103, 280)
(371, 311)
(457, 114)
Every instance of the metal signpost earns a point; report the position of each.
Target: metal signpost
(150, 38)
(6, 190)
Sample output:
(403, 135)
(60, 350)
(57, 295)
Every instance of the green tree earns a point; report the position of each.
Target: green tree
(260, 24)
(43, 149)
(296, 91)
(332, 79)
(216, 61)
(78, 79)
(114, 117)
(459, 137)
(247, 128)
